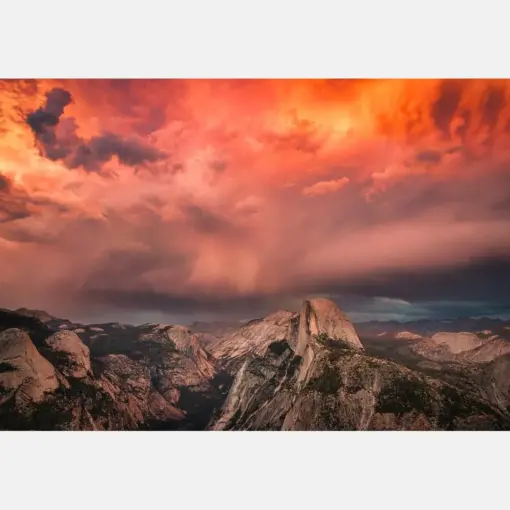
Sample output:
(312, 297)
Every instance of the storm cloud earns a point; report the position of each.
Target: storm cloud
(58, 139)
(390, 197)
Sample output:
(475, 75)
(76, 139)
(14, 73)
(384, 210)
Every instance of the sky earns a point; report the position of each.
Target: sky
(183, 200)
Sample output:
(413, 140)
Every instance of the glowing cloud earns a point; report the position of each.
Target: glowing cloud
(142, 194)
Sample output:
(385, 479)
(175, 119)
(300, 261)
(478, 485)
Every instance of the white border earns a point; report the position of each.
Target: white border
(253, 470)
(264, 38)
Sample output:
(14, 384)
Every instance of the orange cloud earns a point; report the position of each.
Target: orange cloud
(323, 187)
(203, 186)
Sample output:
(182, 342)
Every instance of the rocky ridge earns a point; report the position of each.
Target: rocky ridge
(156, 376)
(305, 370)
(320, 378)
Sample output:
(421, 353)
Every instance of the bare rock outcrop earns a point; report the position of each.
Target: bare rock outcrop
(191, 365)
(489, 350)
(457, 342)
(305, 370)
(74, 355)
(130, 384)
(330, 383)
(252, 338)
(24, 373)
(322, 316)
(316, 317)
(461, 347)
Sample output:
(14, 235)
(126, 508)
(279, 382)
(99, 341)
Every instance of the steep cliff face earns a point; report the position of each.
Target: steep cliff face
(316, 317)
(344, 389)
(320, 378)
(322, 317)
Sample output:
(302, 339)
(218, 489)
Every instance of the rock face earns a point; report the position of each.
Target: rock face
(24, 374)
(288, 371)
(252, 338)
(75, 355)
(195, 366)
(457, 342)
(489, 350)
(132, 378)
(322, 316)
(312, 381)
(316, 317)
(345, 389)
(131, 385)
(461, 347)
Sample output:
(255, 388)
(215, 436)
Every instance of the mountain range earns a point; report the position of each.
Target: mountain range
(311, 369)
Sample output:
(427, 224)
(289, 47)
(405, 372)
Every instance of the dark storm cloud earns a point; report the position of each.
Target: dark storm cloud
(479, 288)
(401, 298)
(46, 118)
(100, 149)
(446, 105)
(58, 139)
(484, 281)
(226, 306)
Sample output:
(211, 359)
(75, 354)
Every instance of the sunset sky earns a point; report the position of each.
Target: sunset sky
(175, 200)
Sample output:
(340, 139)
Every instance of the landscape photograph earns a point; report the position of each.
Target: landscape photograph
(254, 255)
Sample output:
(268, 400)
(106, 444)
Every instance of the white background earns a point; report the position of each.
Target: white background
(215, 38)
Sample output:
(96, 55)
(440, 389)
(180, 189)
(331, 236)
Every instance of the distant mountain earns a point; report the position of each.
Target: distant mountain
(428, 327)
